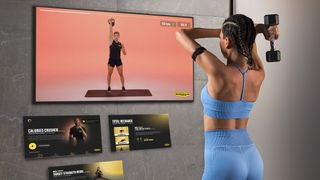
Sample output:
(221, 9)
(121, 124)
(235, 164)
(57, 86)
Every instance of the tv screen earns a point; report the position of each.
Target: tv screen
(84, 55)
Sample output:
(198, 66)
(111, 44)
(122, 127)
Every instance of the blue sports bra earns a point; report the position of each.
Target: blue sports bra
(226, 109)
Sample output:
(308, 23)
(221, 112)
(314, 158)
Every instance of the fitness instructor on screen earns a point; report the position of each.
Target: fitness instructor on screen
(99, 175)
(115, 54)
(78, 133)
(229, 96)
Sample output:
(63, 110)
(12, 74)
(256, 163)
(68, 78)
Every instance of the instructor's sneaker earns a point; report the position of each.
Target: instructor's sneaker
(123, 88)
(109, 89)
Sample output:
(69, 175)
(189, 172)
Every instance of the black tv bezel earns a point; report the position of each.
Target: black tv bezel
(232, 7)
(34, 100)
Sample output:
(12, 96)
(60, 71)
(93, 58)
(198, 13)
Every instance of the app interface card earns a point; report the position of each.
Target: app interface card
(50, 136)
(110, 170)
(133, 132)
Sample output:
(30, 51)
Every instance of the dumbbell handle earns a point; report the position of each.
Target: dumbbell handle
(272, 44)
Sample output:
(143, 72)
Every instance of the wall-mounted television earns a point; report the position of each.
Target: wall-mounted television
(86, 55)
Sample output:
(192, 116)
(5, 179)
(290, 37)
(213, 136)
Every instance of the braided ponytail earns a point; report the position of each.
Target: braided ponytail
(244, 49)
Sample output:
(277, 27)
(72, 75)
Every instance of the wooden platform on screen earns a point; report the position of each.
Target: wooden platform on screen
(118, 93)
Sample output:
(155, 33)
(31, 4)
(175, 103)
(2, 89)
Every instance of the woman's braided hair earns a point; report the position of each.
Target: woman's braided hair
(241, 31)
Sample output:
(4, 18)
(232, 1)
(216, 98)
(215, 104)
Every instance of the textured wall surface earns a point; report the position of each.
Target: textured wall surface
(184, 161)
(285, 122)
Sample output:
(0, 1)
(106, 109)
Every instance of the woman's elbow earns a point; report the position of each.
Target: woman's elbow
(179, 33)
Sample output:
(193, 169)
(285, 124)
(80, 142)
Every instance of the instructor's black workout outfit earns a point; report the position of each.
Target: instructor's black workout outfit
(77, 133)
(115, 51)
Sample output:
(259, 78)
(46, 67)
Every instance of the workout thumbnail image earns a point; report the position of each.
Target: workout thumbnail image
(109, 170)
(134, 132)
(84, 55)
(121, 131)
(51, 136)
(121, 135)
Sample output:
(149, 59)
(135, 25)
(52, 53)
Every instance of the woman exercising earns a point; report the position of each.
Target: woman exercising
(115, 54)
(229, 96)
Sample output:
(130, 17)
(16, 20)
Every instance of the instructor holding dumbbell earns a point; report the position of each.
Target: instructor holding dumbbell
(229, 95)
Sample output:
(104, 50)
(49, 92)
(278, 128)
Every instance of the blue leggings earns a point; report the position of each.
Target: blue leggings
(231, 155)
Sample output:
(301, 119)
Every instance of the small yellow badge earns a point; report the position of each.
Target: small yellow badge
(182, 94)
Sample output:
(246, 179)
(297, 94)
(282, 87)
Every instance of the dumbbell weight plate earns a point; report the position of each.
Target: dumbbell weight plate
(271, 19)
(273, 56)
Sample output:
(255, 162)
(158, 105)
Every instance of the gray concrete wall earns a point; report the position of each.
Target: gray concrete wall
(285, 121)
(184, 161)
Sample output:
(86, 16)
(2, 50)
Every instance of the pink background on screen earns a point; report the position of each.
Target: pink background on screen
(72, 53)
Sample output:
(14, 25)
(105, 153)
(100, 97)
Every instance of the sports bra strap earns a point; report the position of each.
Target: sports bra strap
(237, 65)
(244, 73)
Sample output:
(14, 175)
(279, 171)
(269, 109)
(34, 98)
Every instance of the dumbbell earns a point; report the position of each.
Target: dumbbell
(272, 55)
